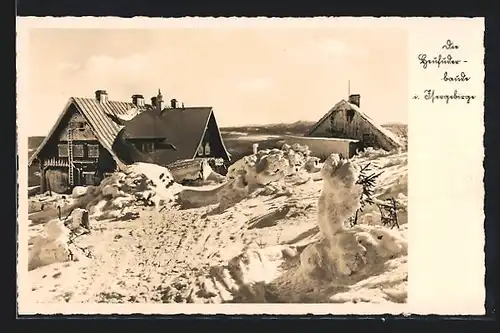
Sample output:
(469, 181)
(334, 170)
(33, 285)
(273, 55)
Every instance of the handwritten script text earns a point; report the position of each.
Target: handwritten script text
(448, 60)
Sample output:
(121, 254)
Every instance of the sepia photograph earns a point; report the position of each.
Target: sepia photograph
(182, 166)
(216, 164)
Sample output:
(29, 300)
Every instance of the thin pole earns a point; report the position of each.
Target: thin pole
(348, 88)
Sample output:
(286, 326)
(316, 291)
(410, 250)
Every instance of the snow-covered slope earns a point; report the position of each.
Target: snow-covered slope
(255, 251)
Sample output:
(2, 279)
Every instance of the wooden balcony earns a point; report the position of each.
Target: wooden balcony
(63, 162)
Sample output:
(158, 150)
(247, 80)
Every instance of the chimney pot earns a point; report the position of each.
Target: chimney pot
(138, 100)
(101, 96)
(159, 100)
(173, 103)
(355, 99)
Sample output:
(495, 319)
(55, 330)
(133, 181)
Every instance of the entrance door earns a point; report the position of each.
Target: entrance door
(88, 178)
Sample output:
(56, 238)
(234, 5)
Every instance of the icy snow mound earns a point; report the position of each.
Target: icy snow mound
(391, 185)
(140, 184)
(161, 180)
(270, 161)
(243, 278)
(337, 266)
(369, 264)
(54, 243)
(51, 246)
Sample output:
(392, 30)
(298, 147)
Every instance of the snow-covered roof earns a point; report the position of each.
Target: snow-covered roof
(343, 103)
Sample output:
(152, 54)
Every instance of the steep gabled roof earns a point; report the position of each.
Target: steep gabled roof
(96, 114)
(186, 128)
(390, 135)
(146, 125)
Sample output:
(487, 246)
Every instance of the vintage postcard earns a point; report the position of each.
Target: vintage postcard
(250, 166)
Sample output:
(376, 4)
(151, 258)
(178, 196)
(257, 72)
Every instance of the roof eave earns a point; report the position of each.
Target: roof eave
(210, 115)
(162, 137)
(119, 163)
(51, 132)
(315, 126)
(202, 134)
(389, 136)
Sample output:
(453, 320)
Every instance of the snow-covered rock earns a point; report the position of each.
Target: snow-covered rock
(78, 191)
(50, 246)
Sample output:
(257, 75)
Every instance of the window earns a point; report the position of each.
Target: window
(207, 149)
(63, 150)
(148, 147)
(93, 151)
(78, 151)
(350, 115)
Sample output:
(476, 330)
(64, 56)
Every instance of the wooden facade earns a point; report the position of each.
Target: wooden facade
(346, 121)
(90, 159)
(211, 145)
(205, 147)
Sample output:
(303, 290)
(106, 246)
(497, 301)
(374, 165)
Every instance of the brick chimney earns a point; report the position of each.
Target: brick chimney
(101, 96)
(355, 99)
(138, 100)
(173, 103)
(153, 102)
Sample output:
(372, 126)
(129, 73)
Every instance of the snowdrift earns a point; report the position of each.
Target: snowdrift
(141, 184)
(364, 263)
(115, 198)
(54, 243)
(268, 171)
(280, 233)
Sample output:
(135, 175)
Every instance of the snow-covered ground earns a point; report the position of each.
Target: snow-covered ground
(239, 255)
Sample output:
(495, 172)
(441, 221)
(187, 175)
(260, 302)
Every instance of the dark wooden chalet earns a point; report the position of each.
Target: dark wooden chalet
(95, 136)
(193, 131)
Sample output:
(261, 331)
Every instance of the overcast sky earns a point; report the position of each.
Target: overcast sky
(248, 75)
